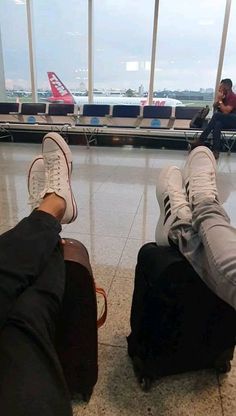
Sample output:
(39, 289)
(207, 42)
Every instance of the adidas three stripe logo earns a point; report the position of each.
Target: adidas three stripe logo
(167, 208)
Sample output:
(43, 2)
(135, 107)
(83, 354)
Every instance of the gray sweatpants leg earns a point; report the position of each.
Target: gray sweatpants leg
(209, 244)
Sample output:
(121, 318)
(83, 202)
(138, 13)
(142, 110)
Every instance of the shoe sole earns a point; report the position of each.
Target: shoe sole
(192, 155)
(68, 157)
(161, 234)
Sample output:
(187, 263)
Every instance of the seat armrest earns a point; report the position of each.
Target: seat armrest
(71, 114)
(14, 113)
(42, 114)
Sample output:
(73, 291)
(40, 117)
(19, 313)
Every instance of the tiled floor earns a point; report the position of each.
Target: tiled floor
(115, 190)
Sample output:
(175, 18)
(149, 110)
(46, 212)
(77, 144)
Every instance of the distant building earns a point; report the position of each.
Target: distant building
(141, 90)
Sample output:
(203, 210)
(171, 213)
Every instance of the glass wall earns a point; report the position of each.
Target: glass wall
(13, 22)
(61, 42)
(229, 67)
(122, 45)
(188, 45)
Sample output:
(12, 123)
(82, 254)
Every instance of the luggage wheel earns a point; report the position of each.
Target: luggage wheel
(145, 383)
(224, 367)
(86, 397)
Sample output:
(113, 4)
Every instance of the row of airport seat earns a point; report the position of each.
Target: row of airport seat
(97, 115)
(92, 119)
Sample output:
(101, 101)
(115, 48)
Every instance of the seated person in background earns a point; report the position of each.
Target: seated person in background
(197, 223)
(224, 116)
(32, 281)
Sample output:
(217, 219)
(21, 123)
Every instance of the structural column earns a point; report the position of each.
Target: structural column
(2, 73)
(31, 51)
(90, 51)
(223, 43)
(153, 58)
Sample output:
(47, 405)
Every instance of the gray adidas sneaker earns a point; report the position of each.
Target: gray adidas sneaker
(200, 176)
(172, 201)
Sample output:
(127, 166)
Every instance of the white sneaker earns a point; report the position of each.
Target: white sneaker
(36, 181)
(58, 166)
(200, 176)
(172, 201)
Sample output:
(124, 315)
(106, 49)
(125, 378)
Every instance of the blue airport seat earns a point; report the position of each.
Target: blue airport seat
(152, 111)
(96, 110)
(94, 115)
(31, 113)
(55, 109)
(186, 113)
(7, 108)
(156, 117)
(32, 108)
(125, 116)
(9, 112)
(62, 114)
(183, 116)
(126, 111)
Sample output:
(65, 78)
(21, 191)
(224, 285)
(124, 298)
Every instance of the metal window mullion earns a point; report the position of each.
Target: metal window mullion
(153, 57)
(223, 43)
(2, 73)
(31, 51)
(90, 51)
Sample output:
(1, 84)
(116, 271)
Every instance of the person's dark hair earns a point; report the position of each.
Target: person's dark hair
(227, 82)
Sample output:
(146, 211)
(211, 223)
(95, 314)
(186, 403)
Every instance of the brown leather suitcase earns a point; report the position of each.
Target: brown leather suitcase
(77, 340)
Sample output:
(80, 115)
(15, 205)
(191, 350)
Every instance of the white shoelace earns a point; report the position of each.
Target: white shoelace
(37, 187)
(54, 172)
(204, 183)
(178, 200)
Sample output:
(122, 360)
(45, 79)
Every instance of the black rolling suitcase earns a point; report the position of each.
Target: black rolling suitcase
(177, 323)
(76, 338)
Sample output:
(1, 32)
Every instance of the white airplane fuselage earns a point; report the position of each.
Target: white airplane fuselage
(60, 93)
(127, 101)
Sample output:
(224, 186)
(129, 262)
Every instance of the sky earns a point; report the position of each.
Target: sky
(188, 43)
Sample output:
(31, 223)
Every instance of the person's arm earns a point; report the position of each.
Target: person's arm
(226, 109)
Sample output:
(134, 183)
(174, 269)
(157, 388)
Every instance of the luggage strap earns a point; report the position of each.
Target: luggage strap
(101, 320)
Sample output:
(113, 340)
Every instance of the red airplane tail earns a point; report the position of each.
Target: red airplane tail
(59, 90)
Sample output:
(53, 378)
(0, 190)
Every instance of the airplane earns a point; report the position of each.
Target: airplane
(61, 94)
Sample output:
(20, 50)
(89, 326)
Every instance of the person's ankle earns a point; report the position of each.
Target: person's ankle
(54, 205)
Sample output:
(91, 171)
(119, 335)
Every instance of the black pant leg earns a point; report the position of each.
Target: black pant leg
(31, 377)
(24, 251)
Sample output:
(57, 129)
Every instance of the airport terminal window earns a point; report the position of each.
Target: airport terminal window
(61, 42)
(122, 46)
(188, 45)
(13, 23)
(229, 67)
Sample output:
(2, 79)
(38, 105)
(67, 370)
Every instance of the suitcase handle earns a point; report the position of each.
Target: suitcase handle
(101, 320)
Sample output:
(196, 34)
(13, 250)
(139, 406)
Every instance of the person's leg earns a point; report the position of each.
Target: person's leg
(212, 224)
(215, 126)
(26, 249)
(222, 121)
(203, 136)
(208, 241)
(31, 377)
(175, 222)
(24, 252)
